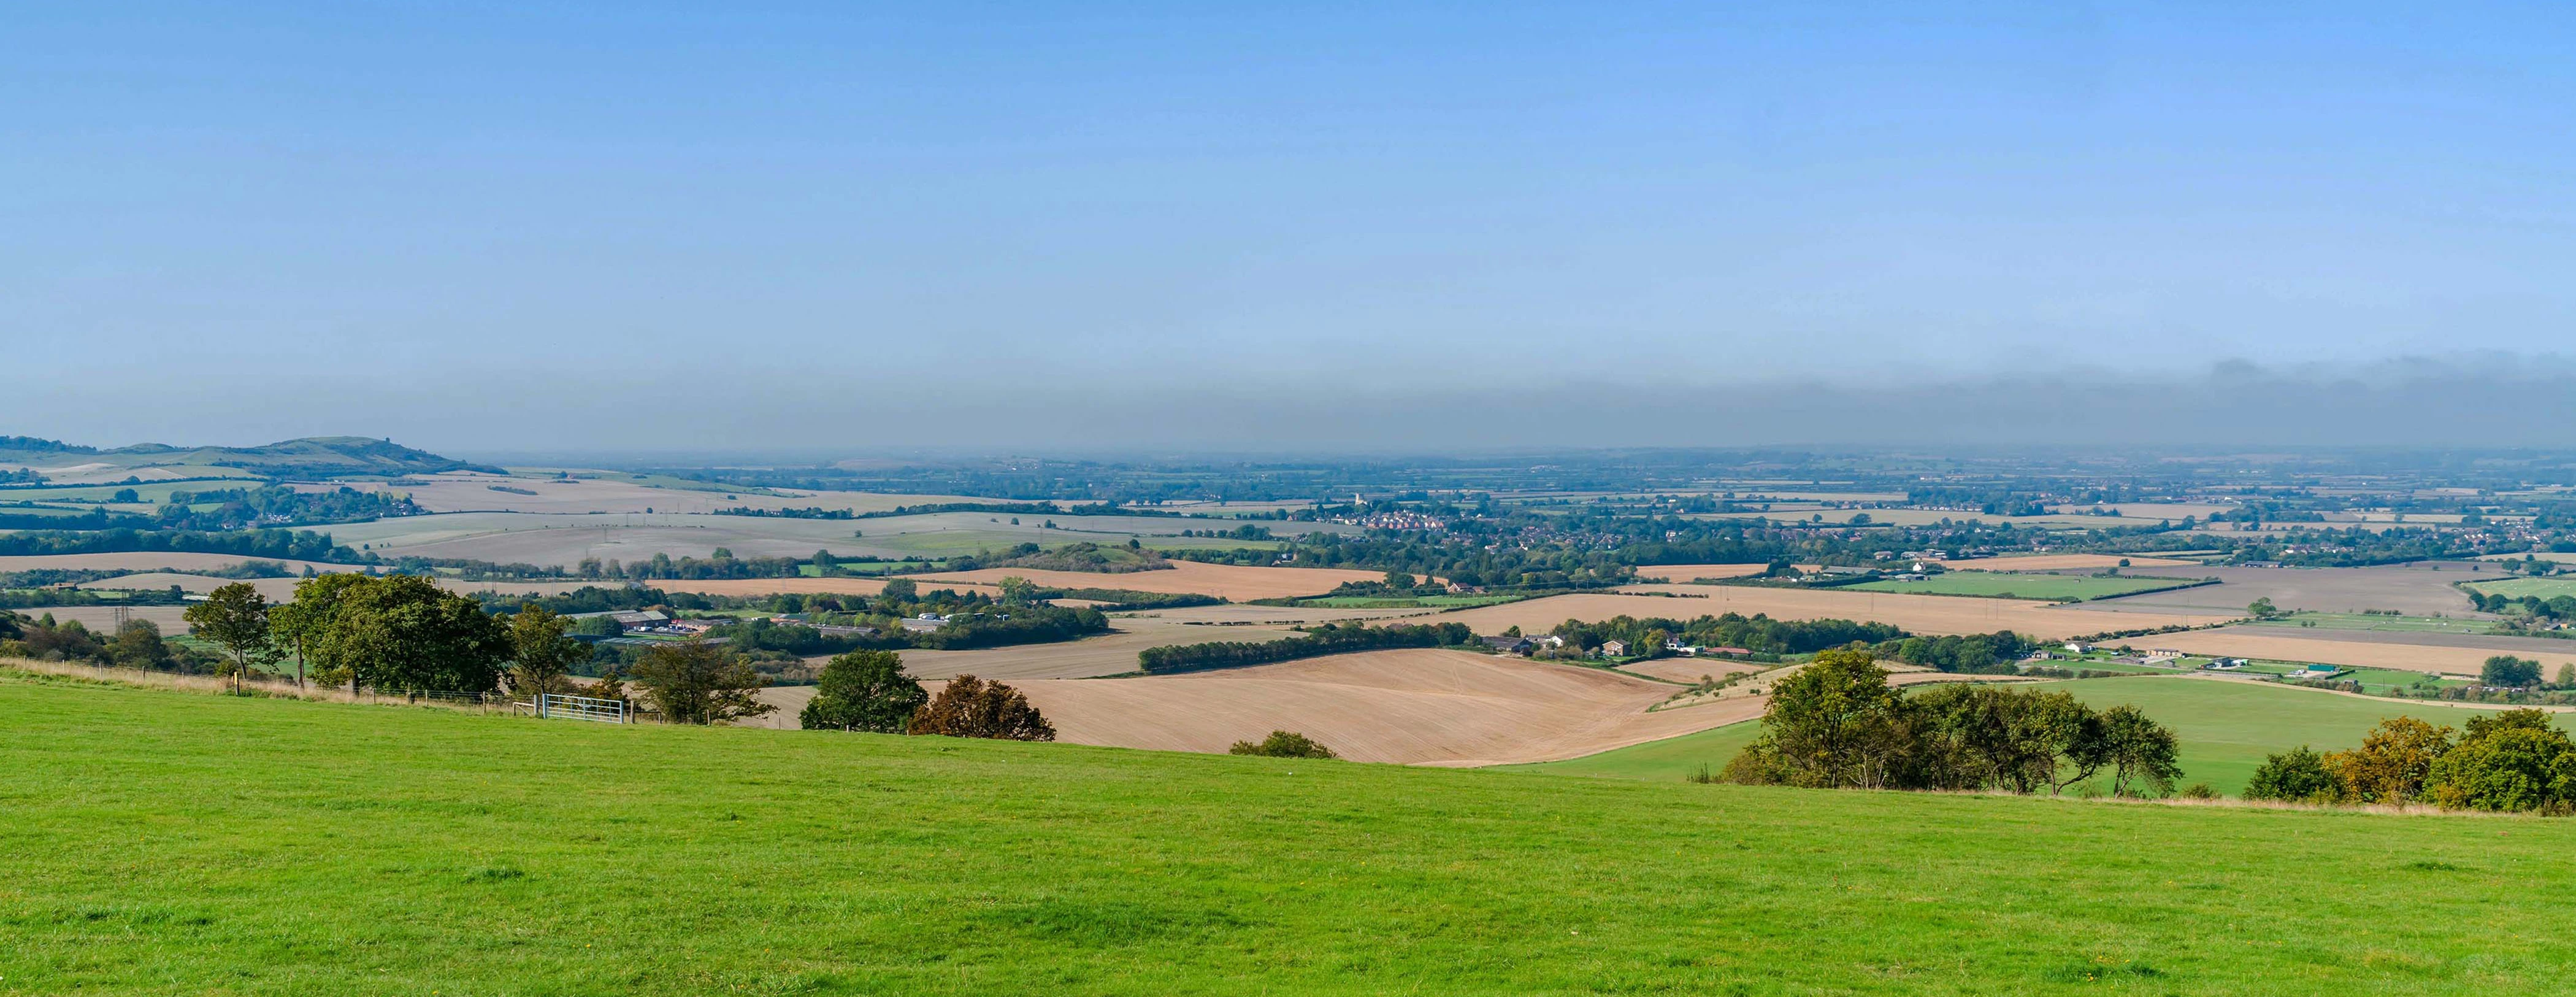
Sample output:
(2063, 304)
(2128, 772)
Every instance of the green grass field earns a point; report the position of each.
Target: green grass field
(2546, 588)
(2225, 728)
(2363, 621)
(164, 842)
(1998, 584)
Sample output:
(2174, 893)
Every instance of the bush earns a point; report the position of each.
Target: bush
(865, 691)
(972, 707)
(1282, 744)
(2300, 775)
(1334, 639)
(2199, 791)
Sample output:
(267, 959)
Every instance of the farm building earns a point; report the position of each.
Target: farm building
(639, 620)
(1615, 648)
(1509, 645)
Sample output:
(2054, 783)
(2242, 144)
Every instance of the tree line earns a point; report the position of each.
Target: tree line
(1838, 724)
(869, 691)
(2513, 760)
(1336, 638)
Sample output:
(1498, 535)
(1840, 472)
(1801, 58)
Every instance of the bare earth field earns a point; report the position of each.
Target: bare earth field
(1927, 614)
(2063, 562)
(1410, 706)
(147, 561)
(1686, 572)
(2414, 589)
(1236, 582)
(464, 491)
(275, 589)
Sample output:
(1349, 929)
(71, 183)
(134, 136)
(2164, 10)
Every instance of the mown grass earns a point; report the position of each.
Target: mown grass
(2225, 728)
(2547, 588)
(161, 842)
(1996, 584)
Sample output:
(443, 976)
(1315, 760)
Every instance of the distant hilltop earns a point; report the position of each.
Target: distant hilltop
(310, 458)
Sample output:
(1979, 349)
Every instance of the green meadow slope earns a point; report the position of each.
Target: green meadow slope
(2226, 728)
(161, 842)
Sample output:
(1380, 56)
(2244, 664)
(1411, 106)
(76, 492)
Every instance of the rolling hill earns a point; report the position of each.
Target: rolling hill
(302, 459)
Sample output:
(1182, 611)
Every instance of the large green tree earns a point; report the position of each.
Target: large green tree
(235, 617)
(300, 624)
(541, 654)
(697, 682)
(864, 691)
(403, 632)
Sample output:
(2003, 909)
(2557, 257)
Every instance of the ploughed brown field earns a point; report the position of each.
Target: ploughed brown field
(1923, 614)
(1237, 582)
(1434, 707)
(2064, 562)
(1686, 572)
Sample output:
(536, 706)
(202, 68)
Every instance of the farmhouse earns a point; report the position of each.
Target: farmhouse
(1614, 648)
(1509, 645)
(639, 620)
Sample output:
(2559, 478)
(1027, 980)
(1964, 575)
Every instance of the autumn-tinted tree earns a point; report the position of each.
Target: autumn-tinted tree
(1283, 744)
(2392, 761)
(864, 691)
(700, 683)
(972, 707)
(234, 617)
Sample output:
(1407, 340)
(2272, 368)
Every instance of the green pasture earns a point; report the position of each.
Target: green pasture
(164, 842)
(2546, 588)
(2364, 621)
(1998, 584)
(2225, 727)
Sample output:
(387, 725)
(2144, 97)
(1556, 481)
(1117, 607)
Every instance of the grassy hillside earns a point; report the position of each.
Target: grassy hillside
(2226, 728)
(162, 842)
(314, 457)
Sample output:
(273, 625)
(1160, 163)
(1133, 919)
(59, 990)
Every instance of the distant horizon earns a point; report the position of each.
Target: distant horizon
(2485, 401)
(798, 224)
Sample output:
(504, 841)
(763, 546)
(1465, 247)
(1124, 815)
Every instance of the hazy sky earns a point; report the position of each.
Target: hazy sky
(565, 225)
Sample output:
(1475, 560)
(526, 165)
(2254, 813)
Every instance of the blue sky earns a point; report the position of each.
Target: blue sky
(467, 225)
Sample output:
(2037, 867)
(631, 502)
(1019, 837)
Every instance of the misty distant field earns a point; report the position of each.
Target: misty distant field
(547, 539)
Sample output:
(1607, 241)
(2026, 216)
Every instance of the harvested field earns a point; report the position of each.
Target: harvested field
(1925, 614)
(103, 618)
(1239, 583)
(1411, 706)
(1687, 572)
(2414, 589)
(463, 491)
(274, 589)
(152, 560)
(2063, 562)
(2454, 655)
(562, 539)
